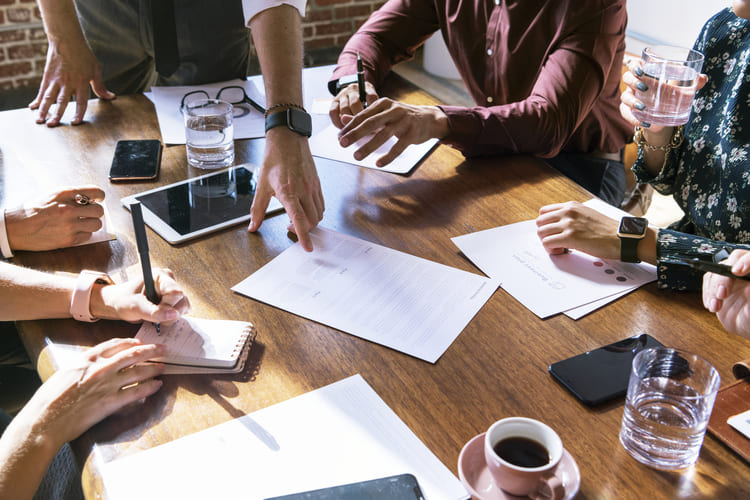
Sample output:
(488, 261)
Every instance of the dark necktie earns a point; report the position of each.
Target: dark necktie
(165, 37)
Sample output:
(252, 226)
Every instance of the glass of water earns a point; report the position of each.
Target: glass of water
(209, 133)
(671, 76)
(670, 397)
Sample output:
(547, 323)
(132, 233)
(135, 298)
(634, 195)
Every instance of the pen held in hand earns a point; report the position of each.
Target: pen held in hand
(141, 242)
(711, 267)
(361, 82)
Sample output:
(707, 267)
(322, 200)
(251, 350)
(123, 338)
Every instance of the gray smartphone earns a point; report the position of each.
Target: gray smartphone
(400, 487)
(135, 160)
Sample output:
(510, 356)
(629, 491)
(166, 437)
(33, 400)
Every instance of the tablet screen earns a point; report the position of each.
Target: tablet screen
(203, 202)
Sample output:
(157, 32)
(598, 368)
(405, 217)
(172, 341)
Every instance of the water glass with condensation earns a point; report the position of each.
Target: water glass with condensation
(670, 76)
(670, 397)
(209, 133)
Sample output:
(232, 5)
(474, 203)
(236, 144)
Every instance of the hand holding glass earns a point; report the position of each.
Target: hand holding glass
(670, 76)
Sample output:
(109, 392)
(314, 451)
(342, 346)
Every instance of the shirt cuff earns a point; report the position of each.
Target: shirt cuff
(251, 8)
(4, 243)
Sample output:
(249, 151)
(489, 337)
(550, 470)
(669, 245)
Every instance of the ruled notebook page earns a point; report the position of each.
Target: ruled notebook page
(199, 342)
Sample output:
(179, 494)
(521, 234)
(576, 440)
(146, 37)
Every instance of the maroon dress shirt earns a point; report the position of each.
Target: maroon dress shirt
(544, 73)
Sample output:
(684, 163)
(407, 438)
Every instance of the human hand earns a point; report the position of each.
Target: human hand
(347, 104)
(105, 379)
(729, 298)
(635, 79)
(70, 68)
(55, 220)
(572, 225)
(386, 118)
(289, 174)
(127, 301)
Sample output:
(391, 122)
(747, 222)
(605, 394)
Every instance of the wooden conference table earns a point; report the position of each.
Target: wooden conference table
(496, 368)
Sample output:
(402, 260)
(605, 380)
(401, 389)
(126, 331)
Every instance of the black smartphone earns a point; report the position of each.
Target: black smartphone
(136, 160)
(601, 375)
(400, 487)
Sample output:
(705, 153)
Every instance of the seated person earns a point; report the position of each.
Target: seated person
(729, 298)
(544, 75)
(54, 221)
(107, 377)
(705, 168)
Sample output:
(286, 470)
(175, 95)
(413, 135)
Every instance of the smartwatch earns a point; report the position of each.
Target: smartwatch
(336, 86)
(295, 119)
(80, 302)
(631, 231)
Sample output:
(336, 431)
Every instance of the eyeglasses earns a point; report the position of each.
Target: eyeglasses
(233, 94)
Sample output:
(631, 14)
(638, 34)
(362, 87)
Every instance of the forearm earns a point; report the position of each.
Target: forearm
(60, 21)
(29, 294)
(25, 455)
(392, 34)
(277, 35)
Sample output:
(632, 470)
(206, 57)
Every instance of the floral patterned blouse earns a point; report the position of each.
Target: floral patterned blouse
(709, 174)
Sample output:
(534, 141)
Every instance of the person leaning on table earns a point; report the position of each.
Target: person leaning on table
(544, 75)
(129, 46)
(106, 377)
(705, 166)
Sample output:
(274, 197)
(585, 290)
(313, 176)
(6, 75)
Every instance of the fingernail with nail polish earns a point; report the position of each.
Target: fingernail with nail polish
(641, 86)
(645, 125)
(638, 71)
(639, 106)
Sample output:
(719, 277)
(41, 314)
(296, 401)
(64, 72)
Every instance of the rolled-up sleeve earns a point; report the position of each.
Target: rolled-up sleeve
(252, 7)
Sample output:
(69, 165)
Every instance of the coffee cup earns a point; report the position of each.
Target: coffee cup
(522, 456)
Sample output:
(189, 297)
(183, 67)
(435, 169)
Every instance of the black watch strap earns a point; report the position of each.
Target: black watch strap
(295, 119)
(629, 249)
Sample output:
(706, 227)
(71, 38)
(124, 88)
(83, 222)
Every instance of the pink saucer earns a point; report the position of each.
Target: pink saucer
(472, 469)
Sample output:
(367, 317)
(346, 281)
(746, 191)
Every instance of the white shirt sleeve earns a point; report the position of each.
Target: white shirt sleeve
(252, 7)
(4, 245)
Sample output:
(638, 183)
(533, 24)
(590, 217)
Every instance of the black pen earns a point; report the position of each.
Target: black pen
(711, 267)
(361, 82)
(142, 243)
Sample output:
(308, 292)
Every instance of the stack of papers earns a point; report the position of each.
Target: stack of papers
(574, 283)
(338, 434)
(403, 302)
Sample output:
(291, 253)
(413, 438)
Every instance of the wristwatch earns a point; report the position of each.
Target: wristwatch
(631, 231)
(335, 86)
(297, 120)
(80, 302)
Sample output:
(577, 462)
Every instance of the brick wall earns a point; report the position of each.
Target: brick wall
(23, 44)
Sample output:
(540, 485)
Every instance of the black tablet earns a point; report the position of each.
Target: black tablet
(201, 205)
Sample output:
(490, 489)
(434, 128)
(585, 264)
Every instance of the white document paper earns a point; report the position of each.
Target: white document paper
(325, 144)
(248, 121)
(382, 295)
(550, 284)
(339, 434)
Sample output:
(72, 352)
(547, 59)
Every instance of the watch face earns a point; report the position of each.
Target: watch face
(300, 122)
(633, 226)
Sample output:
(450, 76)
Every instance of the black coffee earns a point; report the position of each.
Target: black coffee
(521, 451)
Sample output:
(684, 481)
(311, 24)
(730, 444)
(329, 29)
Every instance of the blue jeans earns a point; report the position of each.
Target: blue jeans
(212, 40)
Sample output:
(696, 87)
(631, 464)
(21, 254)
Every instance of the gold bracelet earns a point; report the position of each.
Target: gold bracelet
(284, 105)
(678, 135)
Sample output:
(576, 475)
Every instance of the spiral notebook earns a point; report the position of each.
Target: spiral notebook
(198, 345)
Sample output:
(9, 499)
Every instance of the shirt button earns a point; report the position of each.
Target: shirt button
(489, 52)
(490, 99)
